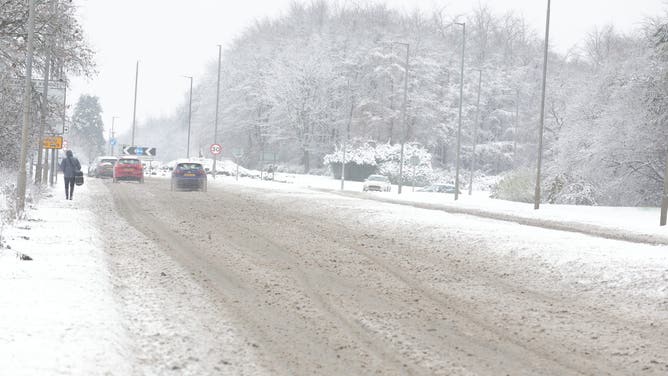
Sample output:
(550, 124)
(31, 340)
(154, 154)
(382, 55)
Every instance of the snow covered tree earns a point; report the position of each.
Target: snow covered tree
(288, 84)
(87, 132)
(59, 36)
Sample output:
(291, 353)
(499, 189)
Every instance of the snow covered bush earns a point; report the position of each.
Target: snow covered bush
(364, 154)
(388, 158)
(566, 190)
(516, 186)
(7, 198)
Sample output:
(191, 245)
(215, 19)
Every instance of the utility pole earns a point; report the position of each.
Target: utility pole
(134, 107)
(461, 99)
(403, 110)
(190, 106)
(27, 90)
(536, 202)
(475, 131)
(215, 126)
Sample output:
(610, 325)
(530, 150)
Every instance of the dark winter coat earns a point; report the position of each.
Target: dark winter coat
(70, 165)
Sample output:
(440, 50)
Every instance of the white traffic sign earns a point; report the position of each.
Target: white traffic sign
(141, 151)
(216, 149)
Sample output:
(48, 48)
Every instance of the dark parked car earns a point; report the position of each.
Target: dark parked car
(129, 169)
(439, 188)
(189, 176)
(103, 167)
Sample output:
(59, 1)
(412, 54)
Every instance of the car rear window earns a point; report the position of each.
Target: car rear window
(189, 166)
(129, 161)
(112, 161)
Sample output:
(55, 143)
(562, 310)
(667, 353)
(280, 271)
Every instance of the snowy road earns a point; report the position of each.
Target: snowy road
(245, 280)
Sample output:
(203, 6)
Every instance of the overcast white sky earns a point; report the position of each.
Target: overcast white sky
(176, 38)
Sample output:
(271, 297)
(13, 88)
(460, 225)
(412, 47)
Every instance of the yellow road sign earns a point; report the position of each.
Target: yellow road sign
(53, 142)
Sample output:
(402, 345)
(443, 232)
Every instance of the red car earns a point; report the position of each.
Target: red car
(128, 169)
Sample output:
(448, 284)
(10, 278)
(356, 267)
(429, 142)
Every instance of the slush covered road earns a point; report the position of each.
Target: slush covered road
(248, 280)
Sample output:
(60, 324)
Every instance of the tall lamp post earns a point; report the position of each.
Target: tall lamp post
(347, 137)
(536, 203)
(664, 198)
(461, 99)
(215, 126)
(403, 110)
(475, 131)
(134, 107)
(190, 106)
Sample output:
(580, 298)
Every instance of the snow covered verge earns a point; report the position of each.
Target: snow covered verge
(57, 315)
(635, 224)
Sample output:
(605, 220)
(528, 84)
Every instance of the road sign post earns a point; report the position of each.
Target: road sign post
(237, 153)
(140, 151)
(268, 157)
(415, 160)
(52, 142)
(215, 149)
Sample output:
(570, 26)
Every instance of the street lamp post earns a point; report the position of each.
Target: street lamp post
(215, 126)
(403, 110)
(190, 106)
(345, 140)
(664, 198)
(517, 122)
(475, 132)
(461, 99)
(134, 107)
(536, 203)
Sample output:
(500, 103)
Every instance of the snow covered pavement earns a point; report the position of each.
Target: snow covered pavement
(57, 312)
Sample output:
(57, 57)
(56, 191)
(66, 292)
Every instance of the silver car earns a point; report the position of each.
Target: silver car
(377, 183)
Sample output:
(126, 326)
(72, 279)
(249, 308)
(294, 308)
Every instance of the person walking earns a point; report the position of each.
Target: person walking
(69, 165)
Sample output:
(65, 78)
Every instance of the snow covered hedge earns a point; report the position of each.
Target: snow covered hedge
(516, 186)
(384, 159)
(562, 189)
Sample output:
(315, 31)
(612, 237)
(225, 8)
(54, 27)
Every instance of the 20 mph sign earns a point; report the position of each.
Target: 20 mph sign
(216, 149)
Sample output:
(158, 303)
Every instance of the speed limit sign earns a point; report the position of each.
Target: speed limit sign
(216, 149)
